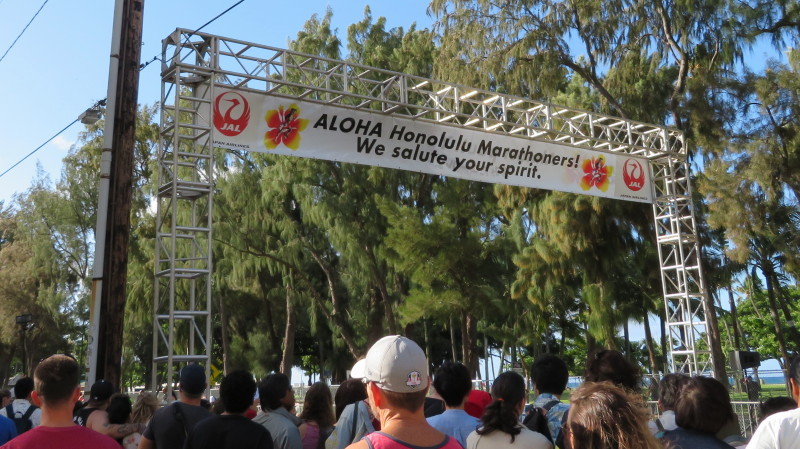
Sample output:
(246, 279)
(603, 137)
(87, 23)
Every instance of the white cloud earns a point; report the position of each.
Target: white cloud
(62, 143)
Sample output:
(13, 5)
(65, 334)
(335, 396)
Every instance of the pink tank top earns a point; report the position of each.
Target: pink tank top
(311, 438)
(380, 440)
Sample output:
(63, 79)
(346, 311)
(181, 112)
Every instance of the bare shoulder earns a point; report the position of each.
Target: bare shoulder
(359, 445)
(97, 419)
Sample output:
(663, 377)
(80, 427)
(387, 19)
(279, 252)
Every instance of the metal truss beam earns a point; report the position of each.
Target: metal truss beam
(192, 63)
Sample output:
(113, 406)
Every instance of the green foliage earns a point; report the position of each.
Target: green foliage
(344, 254)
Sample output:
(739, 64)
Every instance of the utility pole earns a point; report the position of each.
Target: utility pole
(113, 214)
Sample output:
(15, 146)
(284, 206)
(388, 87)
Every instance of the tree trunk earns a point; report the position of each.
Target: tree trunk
(226, 343)
(287, 360)
(626, 335)
(737, 330)
(485, 356)
(454, 354)
(776, 321)
(502, 358)
(651, 350)
(469, 343)
(720, 373)
(664, 354)
(787, 314)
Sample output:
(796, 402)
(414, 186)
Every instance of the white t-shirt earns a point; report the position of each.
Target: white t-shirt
(20, 406)
(667, 420)
(779, 431)
(527, 439)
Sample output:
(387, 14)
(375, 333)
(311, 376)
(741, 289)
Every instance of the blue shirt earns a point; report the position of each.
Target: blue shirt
(555, 415)
(455, 423)
(8, 430)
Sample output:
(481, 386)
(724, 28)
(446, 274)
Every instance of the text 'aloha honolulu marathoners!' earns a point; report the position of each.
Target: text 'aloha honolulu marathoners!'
(402, 142)
(258, 122)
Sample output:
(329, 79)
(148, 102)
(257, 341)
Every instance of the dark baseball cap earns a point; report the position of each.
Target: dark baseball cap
(101, 390)
(193, 379)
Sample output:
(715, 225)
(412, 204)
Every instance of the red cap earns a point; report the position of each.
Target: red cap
(476, 402)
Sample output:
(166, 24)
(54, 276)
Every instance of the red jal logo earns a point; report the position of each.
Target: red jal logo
(231, 113)
(633, 174)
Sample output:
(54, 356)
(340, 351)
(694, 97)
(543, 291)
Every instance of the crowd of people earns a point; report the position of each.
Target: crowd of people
(389, 404)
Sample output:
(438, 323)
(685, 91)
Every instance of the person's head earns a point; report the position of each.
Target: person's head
(508, 398)
(57, 381)
(453, 383)
(5, 398)
(144, 407)
(775, 405)
(236, 391)
(612, 366)
(192, 383)
(318, 405)
(669, 388)
(274, 391)
(101, 392)
(550, 374)
(119, 408)
(603, 415)
(350, 391)
(703, 405)
(396, 372)
(794, 378)
(23, 388)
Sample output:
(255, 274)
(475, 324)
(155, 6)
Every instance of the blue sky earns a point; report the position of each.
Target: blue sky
(59, 67)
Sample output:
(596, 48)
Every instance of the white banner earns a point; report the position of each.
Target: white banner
(264, 123)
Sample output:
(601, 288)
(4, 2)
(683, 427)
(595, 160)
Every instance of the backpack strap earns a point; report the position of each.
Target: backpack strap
(355, 421)
(9, 411)
(29, 412)
(181, 418)
(659, 425)
(550, 405)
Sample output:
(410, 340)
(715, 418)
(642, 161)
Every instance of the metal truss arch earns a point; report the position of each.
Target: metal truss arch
(194, 63)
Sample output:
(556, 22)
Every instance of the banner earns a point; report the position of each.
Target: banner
(264, 123)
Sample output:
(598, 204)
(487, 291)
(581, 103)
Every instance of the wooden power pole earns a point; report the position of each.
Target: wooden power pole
(118, 225)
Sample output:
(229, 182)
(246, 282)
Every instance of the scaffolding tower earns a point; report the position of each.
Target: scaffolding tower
(194, 63)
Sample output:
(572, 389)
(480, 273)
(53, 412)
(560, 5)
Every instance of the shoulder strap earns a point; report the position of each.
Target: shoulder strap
(180, 418)
(659, 425)
(29, 412)
(355, 421)
(10, 411)
(551, 404)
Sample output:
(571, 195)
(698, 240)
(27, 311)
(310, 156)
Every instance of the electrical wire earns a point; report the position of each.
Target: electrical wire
(39, 147)
(101, 102)
(23, 31)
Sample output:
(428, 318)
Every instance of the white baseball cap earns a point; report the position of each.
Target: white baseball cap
(396, 364)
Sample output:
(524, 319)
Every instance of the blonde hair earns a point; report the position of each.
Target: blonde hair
(144, 407)
(605, 416)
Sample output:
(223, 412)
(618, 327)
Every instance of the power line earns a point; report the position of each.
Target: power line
(39, 147)
(23, 31)
(156, 58)
(141, 67)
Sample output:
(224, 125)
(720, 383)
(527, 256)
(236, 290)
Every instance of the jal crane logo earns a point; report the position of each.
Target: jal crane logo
(633, 174)
(231, 113)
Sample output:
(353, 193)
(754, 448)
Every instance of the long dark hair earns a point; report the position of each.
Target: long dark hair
(502, 414)
(317, 405)
(350, 391)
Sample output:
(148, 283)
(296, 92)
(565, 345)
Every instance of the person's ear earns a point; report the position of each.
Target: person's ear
(375, 394)
(795, 390)
(35, 399)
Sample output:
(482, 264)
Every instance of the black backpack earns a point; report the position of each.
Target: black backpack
(536, 419)
(24, 422)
